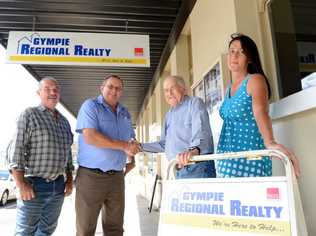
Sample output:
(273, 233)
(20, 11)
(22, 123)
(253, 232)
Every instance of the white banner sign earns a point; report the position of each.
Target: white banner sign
(78, 49)
(225, 207)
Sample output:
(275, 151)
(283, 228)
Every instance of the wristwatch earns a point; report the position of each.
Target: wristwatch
(193, 148)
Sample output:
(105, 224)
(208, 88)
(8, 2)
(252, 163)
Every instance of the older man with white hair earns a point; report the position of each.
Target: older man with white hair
(186, 131)
(40, 162)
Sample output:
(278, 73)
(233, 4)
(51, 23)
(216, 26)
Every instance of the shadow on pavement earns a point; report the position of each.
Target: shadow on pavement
(11, 204)
(148, 221)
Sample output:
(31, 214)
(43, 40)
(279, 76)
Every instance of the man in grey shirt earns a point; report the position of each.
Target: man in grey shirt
(186, 131)
(40, 161)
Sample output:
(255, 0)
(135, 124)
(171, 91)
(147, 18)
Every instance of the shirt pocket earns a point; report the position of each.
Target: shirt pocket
(107, 126)
(187, 122)
(41, 133)
(186, 129)
(126, 128)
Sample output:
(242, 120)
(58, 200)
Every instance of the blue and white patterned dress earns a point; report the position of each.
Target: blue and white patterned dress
(240, 133)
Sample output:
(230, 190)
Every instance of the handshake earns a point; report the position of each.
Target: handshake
(132, 147)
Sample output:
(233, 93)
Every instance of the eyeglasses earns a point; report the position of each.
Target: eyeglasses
(111, 87)
(236, 52)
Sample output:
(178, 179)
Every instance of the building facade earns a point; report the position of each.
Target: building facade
(284, 31)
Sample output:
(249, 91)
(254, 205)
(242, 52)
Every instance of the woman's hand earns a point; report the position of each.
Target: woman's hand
(288, 153)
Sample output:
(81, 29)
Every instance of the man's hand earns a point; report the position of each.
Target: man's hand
(183, 158)
(69, 185)
(132, 148)
(26, 191)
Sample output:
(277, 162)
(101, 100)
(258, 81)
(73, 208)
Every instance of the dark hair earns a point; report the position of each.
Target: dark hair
(251, 51)
(112, 76)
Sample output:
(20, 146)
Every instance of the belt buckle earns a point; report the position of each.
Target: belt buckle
(98, 171)
(110, 172)
(49, 180)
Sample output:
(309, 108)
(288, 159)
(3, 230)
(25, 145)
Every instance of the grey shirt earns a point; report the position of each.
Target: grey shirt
(42, 144)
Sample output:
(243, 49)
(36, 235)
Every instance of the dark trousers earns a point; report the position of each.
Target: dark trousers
(97, 192)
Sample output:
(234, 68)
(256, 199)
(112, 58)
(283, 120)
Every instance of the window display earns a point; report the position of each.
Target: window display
(211, 89)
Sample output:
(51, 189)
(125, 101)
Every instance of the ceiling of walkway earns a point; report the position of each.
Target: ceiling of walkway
(161, 20)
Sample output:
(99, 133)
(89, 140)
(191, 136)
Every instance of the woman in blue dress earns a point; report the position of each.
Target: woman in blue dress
(246, 122)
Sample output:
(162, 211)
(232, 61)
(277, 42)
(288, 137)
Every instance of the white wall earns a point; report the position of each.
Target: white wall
(298, 132)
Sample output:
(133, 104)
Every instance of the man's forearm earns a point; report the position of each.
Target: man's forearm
(69, 176)
(18, 176)
(25, 189)
(93, 137)
(153, 147)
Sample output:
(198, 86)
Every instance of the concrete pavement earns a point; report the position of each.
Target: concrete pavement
(138, 222)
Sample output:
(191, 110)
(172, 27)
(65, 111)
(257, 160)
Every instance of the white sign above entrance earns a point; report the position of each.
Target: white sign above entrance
(65, 48)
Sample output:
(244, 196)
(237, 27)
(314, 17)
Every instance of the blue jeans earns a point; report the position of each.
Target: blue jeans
(205, 169)
(39, 216)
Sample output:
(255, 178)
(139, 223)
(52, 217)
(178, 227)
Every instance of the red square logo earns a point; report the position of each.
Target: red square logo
(139, 51)
(273, 193)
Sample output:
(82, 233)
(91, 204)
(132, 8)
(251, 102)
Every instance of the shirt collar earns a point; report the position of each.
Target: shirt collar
(43, 108)
(101, 100)
(184, 99)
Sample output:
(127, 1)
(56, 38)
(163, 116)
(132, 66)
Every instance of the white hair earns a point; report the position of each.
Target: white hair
(178, 79)
(47, 78)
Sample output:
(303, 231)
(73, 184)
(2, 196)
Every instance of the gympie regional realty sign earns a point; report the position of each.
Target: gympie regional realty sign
(238, 206)
(78, 49)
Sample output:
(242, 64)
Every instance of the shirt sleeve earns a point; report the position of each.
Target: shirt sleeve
(158, 146)
(70, 167)
(201, 131)
(20, 143)
(87, 116)
(131, 129)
